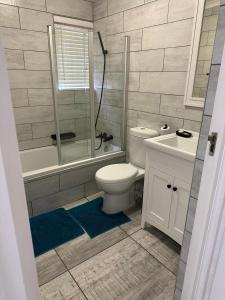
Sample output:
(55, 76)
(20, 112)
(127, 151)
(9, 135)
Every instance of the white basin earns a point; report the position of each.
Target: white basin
(175, 145)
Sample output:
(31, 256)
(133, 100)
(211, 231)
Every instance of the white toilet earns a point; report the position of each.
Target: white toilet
(116, 180)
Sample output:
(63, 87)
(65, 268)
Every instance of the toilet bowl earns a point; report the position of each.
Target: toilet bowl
(116, 180)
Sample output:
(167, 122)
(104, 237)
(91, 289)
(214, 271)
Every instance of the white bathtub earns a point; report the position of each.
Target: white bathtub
(44, 161)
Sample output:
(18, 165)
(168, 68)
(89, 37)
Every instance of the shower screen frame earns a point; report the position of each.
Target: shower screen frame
(54, 79)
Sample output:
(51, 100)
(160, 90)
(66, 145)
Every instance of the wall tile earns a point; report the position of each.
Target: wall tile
(35, 143)
(168, 35)
(191, 214)
(177, 294)
(192, 125)
(179, 10)
(65, 97)
(180, 274)
(29, 79)
(82, 96)
(72, 111)
(203, 138)
(197, 176)
(151, 60)
(100, 9)
(115, 6)
(174, 106)
(57, 200)
(76, 9)
(45, 129)
(116, 42)
(145, 102)
(35, 20)
(9, 16)
(212, 86)
(24, 115)
(33, 4)
(91, 188)
(110, 25)
(36, 60)
(154, 121)
(134, 81)
(19, 97)
(173, 82)
(220, 38)
(15, 60)
(43, 187)
(24, 39)
(185, 246)
(40, 97)
(176, 59)
(24, 132)
(76, 177)
(139, 17)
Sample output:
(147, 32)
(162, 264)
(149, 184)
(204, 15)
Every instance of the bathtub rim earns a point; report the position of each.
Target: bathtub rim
(58, 169)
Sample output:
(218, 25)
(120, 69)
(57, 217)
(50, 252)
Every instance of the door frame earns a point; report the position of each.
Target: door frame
(208, 230)
(18, 275)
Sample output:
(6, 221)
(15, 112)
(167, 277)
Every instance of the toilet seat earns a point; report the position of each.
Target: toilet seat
(116, 173)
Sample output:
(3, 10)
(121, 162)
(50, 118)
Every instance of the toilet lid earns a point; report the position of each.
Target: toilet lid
(116, 173)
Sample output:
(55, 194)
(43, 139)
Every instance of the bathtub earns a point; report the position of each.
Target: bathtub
(41, 162)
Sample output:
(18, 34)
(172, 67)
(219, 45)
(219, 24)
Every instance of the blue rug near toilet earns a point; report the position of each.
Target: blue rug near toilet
(53, 229)
(94, 220)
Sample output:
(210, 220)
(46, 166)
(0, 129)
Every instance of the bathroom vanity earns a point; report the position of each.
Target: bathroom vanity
(168, 177)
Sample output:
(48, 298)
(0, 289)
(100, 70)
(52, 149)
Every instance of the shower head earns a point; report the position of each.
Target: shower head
(104, 52)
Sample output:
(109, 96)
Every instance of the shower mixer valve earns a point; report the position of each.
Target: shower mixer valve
(105, 137)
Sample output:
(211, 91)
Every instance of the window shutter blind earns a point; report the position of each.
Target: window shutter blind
(72, 57)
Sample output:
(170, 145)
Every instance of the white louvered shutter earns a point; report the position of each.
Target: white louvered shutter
(72, 57)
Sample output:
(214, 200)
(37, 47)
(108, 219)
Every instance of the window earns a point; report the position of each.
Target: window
(72, 57)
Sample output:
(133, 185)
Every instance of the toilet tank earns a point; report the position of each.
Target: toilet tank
(137, 147)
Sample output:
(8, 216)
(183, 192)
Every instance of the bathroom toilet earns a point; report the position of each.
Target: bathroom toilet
(116, 180)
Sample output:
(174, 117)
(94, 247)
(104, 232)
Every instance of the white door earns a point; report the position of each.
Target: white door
(179, 206)
(160, 196)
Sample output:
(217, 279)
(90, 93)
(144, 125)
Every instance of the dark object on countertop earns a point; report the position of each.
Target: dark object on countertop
(64, 137)
(184, 133)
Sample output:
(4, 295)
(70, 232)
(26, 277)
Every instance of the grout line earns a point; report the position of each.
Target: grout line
(153, 256)
(69, 273)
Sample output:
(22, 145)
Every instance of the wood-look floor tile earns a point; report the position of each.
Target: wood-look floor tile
(95, 196)
(61, 288)
(160, 246)
(124, 271)
(135, 224)
(49, 266)
(82, 248)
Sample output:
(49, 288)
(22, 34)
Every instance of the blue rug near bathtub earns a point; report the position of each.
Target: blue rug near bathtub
(53, 229)
(94, 220)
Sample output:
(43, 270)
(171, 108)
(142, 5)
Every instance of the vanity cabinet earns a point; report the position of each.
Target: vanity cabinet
(166, 193)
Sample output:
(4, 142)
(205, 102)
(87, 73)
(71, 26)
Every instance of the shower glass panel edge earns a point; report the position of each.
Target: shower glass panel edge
(125, 92)
(91, 86)
(52, 55)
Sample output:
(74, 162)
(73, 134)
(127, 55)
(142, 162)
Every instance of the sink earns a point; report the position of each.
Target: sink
(175, 145)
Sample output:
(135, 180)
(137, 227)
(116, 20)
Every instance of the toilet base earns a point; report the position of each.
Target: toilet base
(115, 203)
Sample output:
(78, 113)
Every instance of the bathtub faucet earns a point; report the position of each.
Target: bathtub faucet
(105, 137)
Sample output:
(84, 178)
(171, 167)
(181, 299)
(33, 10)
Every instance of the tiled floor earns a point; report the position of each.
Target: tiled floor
(124, 263)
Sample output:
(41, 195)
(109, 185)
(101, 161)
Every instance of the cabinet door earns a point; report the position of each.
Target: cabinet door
(178, 214)
(160, 197)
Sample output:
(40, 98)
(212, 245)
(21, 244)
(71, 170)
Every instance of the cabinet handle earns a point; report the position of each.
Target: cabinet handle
(169, 186)
(174, 189)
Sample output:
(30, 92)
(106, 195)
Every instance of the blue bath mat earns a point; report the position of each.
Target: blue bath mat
(93, 220)
(53, 229)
